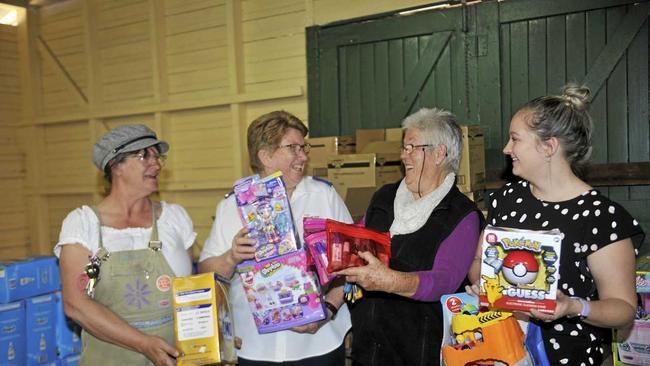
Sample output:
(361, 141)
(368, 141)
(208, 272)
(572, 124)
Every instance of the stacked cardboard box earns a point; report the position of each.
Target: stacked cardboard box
(471, 173)
(322, 147)
(29, 314)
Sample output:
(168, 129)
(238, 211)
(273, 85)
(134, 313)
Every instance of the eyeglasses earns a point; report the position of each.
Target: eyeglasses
(146, 156)
(296, 148)
(408, 148)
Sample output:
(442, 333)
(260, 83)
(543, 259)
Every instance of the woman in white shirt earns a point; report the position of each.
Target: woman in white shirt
(276, 141)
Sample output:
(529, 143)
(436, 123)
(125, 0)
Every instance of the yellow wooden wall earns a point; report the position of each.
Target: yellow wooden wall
(13, 217)
(196, 71)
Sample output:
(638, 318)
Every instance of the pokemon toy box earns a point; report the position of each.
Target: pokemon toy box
(281, 292)
(263, 206)
(519, 269)
(202, 321)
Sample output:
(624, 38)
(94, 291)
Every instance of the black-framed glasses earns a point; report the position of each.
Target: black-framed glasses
(296, 148)
(146, 156)
(408, 148)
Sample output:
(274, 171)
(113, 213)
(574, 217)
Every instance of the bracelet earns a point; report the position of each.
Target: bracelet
(331, 308)
(584, 312)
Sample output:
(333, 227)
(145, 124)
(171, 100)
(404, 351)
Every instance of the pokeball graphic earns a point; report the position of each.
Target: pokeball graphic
(520, 267)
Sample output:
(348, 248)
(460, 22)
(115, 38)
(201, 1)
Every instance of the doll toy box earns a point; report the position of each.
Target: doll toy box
(281, 292)
(203, 323)
(263, 207)
(519, 269)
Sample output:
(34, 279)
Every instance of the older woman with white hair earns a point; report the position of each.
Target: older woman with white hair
(435, 230)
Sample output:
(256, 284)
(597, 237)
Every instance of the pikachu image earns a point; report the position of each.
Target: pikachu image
(492, 288)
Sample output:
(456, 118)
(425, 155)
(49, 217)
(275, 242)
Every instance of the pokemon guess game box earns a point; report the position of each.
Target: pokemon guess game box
(519, 269)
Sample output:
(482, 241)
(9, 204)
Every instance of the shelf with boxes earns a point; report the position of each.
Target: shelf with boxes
(35, 329)
(633, 347)
(357, 166)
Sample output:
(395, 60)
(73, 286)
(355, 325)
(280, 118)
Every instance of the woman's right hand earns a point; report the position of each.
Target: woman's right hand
(243, 247)
(158, 351)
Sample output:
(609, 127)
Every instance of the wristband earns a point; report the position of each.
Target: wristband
(584, 312)
(331, 308)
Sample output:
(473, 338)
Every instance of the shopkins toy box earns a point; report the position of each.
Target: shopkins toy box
(519, 269)
(282, 293)
(263, 206)
(203, 323)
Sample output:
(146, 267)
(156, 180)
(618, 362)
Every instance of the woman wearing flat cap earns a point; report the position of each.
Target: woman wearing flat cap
(118, 258)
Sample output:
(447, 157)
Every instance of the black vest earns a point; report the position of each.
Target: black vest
(394, 330)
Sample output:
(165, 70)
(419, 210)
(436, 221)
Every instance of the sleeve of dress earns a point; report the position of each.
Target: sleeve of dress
(77, 228)
(217, 243)
(610, 222)
(452, 261)
(183, 225)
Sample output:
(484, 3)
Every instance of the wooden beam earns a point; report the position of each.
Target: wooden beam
(236, 84)
(93, 65)
(158, 51)
(616, 47)
(60, 71)
(597, 175)
(118, 110)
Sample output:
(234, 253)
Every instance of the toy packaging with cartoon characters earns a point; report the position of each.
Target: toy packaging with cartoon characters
(263, 206)
(203, 323)
(281, 292)
(519, 269)
(472, 336)
(345, 241)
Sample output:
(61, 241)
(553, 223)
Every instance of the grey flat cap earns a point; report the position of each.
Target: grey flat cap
(125, 138)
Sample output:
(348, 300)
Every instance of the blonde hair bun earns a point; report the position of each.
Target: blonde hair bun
(576, 96)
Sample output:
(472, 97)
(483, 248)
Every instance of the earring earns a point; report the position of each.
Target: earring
(548, 158)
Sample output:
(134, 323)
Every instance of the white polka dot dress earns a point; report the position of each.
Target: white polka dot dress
(589, 222)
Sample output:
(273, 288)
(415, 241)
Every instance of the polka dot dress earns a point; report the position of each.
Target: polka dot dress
(589, 222)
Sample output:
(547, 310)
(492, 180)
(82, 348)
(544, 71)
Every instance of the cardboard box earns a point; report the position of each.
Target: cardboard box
(12, 334)
(471, 172)
(203, 323)
(68, 333)
(366, 136)
(40, 329)
(357, 176)
(519, 269)
(322, 147)
(28, 277)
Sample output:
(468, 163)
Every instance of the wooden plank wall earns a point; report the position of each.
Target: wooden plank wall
(196, 71)
(13, 216)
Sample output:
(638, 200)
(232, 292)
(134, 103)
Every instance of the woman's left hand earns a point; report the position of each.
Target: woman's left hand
(374, 276)
(564, 306)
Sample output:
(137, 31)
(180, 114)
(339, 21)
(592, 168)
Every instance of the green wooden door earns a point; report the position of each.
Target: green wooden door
(372, 74)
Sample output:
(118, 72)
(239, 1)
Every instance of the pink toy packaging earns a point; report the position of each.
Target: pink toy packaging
(263, 207)
(281, 292)
(316, 244)
(519, 269)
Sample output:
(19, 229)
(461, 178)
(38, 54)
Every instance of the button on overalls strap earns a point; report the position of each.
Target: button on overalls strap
(135, 285)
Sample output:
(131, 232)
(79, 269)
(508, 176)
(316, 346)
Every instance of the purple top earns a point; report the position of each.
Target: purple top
(452, 261)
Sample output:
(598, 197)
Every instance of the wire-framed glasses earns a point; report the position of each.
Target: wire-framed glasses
(147, 156)
(408, 148)
(296, 148)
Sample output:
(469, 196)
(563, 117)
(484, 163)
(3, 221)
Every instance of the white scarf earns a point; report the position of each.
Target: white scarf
(410, 213)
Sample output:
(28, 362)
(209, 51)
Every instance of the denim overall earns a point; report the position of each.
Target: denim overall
(135, 285)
